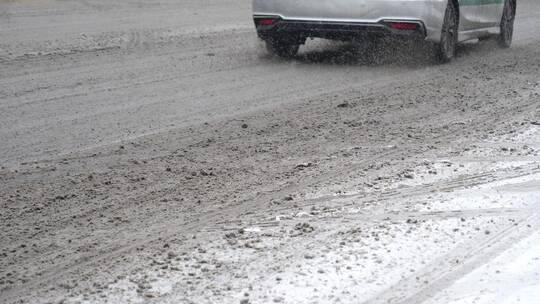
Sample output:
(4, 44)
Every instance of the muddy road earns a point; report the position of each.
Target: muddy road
(153, 153)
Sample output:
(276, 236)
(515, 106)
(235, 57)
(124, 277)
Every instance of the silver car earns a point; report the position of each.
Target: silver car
(286, 24)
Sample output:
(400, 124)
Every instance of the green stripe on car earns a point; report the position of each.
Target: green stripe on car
(480, 2)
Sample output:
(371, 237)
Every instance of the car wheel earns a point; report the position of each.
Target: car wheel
(507, 24)
(445, 50)
(282, 47)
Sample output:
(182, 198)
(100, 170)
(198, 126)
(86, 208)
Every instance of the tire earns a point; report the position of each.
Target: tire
(445, 50)
(282, 48)
(507, 25)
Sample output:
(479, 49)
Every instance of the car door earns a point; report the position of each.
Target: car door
(493, 10)
(478, 14)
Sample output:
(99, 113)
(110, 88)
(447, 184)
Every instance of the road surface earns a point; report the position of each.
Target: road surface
(154, 153)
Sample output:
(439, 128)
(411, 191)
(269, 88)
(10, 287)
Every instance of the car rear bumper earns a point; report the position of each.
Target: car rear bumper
(339, 30)
(361, 15)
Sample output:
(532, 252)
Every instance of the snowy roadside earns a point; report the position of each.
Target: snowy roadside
(400, 244)
(512, 277)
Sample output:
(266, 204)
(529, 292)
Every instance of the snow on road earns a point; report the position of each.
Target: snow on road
(466, 244)
(149, 155)
(511, 278)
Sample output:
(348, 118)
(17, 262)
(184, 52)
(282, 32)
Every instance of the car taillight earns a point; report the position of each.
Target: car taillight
(406, 26)
(266, 21)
